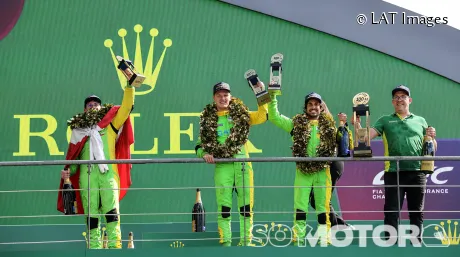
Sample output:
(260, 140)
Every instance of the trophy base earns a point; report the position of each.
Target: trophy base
(362, 151)
(263, 98)
(136, 80)
(274, 90)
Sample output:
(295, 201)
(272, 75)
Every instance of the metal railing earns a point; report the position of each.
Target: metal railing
(89, 164)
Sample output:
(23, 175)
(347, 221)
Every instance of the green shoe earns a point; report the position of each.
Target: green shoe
(327, 242)
(226, 244)
(242, 243)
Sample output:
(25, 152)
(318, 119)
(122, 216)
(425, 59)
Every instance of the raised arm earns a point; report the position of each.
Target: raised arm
(125, 108)
(260, 116)
(278, 119)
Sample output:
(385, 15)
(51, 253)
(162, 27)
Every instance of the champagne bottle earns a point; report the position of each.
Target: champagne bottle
(69, 198)
(105, 239)
(428, 150)
(344, 141)
(198, 214)
(130, 240)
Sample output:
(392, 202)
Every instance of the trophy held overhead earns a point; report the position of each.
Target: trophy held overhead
(275, 74)
(134, 78)
(257, 87)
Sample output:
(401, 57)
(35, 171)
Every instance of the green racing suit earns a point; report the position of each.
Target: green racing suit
(303, 183)
(229, 177)
(104, 187)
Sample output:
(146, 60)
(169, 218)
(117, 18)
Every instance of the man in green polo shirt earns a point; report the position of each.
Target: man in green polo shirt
(402, 133)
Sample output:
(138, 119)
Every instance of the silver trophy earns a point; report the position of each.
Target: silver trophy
(275, 74)
(257, 87)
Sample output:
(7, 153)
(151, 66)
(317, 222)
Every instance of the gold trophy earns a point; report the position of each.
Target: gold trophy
(275, 74)
(134, 78)
(257, 87)
(362, 139)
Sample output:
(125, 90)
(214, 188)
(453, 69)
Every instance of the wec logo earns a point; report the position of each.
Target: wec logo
(436, 177)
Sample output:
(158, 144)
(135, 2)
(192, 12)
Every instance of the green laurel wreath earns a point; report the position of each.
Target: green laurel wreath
(239, 133)
(301, 137)
(89, 118)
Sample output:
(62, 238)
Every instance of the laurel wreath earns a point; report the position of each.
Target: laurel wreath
(301, 137)
(89, 118)
(239, 133)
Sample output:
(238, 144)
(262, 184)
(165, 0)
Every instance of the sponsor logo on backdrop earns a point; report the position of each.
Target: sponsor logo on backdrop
(437, 179)
(435, 235)
(146, 69)
(365, 235)
(129, 42)
(364, 181)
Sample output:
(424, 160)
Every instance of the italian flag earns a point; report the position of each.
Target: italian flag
(122, 151)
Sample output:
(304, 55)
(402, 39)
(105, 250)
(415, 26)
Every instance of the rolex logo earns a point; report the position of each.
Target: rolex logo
(449, 235)
(177, 244)
(148, 70)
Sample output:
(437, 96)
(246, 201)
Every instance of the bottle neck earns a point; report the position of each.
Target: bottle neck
(198, 197)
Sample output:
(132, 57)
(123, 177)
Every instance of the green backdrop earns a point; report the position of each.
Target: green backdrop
(57, 55)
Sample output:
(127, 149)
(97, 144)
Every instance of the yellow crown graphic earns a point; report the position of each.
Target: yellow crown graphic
(449, 238)
(150, 73)
(177, 244)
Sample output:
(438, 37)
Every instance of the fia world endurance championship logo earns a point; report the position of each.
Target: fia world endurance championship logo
(282, 235)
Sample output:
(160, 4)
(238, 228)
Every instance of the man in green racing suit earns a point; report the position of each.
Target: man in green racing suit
(314, 135)
(224, 130)
(102, 132)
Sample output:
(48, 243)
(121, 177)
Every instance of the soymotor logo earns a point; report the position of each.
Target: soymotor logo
(281, 235)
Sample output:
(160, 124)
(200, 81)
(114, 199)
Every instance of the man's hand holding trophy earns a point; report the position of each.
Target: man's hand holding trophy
(274, 87)
(134, 78)
(257, 87)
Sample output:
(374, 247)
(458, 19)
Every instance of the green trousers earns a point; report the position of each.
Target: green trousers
(321, 184)
(103, 199)
(229, 177)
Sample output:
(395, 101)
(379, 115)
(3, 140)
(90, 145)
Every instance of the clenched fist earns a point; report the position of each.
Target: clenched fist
(65, 174)
(342, 117)
(430, 131)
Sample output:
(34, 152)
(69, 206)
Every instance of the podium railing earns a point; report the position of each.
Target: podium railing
(398, 159)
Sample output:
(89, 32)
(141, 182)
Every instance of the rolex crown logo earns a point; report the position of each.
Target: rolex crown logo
(177, 244)
(149, 71)
(447, 236)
